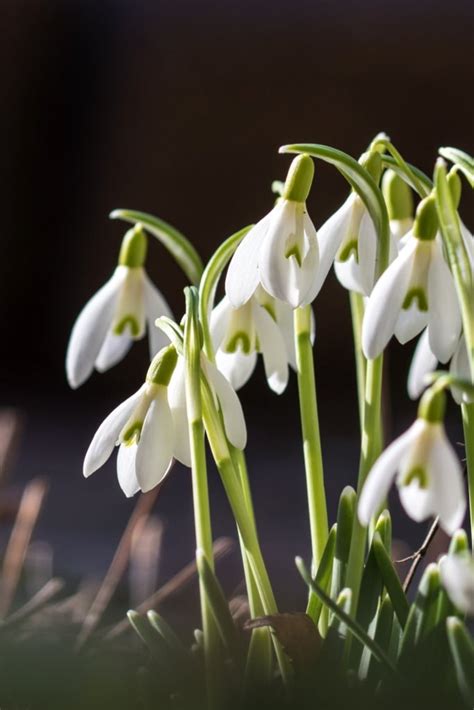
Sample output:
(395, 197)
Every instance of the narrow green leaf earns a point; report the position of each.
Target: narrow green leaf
(362, 182)
(173, 331)
(219, 607)
(150, 638)
(176, 243)
(449, 222)
(422, 614)
(414, 177)
(462, 650)
(209, 281)
(168, 634)
(353, 626)
(323, 576)
(462, 160)
(391, 580)
(383, 631)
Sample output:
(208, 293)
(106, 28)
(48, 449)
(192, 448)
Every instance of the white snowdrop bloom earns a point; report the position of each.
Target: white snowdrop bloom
(262, 325)
(427, 473)
(281, 251)
(417, 290)
(119, 313)
(457, 577)
(151, 427)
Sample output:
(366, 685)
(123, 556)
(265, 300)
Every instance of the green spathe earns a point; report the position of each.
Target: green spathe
(426, 221)
(134, 248)
(299, 179)
(162, 366)
(432, 406)
(398, 196)
(371, 160)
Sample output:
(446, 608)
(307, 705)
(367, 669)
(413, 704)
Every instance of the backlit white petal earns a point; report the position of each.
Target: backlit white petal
(457, 577)
(410, 322)
(330, 237)
(219, 320)
(155, 307)
(243, 274)
(107, 434)
(156, 445)
(348, 274)
(422, 364)
(367, 253)
(449, 485)
(236, 367)
(445, 317)
(273, 349)
(89, 331)
(384, 305)
(460, 368)
(113, 350)
(126, 470)
(382, 474)
(234, 420)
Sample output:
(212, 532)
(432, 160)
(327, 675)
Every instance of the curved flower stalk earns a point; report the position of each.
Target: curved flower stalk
(417, 290)
(457, 577)
(281, 251)
(426, 469)
(262, 325)
(119, 313)
(151, 426)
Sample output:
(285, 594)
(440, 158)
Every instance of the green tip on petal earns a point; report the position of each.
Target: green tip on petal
(455, 187)
(432, 405)
(426, 220)
(299, 179)
(397, 195)
(162, 366)
(372, 162)
(134, 248)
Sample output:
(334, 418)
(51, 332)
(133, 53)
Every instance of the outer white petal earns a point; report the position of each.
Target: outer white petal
(410, 322)
(422, 364)
(107, 434)
(310, 267)
(382, 475)
(385, 302)
(126, 475)
(460, 368)
(457, 576)
(445, 317)
(273, 349)
(177, 402)
(242, 275)
(367, 253)
(330, 236)
(236, 367)
(155, 307)
(468, 241)
(156, 445)
(219, 320)
(348, 274)
(113, 350)
(90, 329)
(234, 420)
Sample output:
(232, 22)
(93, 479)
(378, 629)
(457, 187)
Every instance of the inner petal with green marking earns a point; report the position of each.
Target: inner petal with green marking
(240, 334)
(130, 310)
(418, 474)
(416, 295)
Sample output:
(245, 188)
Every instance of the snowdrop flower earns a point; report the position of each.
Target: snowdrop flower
(151, 426)
(262, 325)
(281, 251)
(427, 471)
(417, 290)
(399, 200)
(457, 577)
(117, 315)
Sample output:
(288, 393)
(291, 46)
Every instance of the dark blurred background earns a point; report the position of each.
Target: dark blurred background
(178, 108)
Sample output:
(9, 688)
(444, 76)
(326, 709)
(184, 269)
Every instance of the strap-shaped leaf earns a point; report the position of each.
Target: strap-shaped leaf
(323, 575)
(462, 160)
(422, 185)
(209, 281)
(363, 183)
(345, 518)
(462, 649)
(176, 243)
(172, 330)
(390, 579)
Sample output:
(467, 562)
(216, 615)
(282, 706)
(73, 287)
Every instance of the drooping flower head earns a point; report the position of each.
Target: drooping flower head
(151, 427)
(426, 470)
(417, 290)
(119, 313)
(281, 251)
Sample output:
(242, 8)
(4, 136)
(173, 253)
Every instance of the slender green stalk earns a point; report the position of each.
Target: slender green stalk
(468, 424)
(357, 312)
(318, 516)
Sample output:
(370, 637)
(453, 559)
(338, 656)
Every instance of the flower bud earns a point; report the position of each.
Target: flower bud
(299, 179)
(426, 220)
(134, 248)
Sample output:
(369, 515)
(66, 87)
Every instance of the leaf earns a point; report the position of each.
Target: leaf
(345, 518)
(173, 331)
(412, 175)
(352, 625)
(391, 580)
(323, 576)
(383, 631)
(462, 650)
(176, 243)
(462, 160)
(297, 635)
(449, 223)
(362, 182)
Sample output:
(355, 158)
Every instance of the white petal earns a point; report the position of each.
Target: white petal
(90, 329)
(410, 322)
(107, 434)
(348, 274)
(234, 420)
(330, 236)
(236, 367)
(273, 349)
(384, 305)
(457, 576)
(445, 317)
(155, 307)
(422, 364)
(284, 316)
(367, 253)
(219, 320)
(177, 402)
(242, 276)
(156, 445)
(382, 474)
(460, 368)
(449, 485)
(113, 350)
(126, 475)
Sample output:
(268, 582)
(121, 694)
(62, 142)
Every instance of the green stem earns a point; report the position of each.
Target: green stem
(370, 449)
(468, 424)
(357, 312)
(318, 516)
